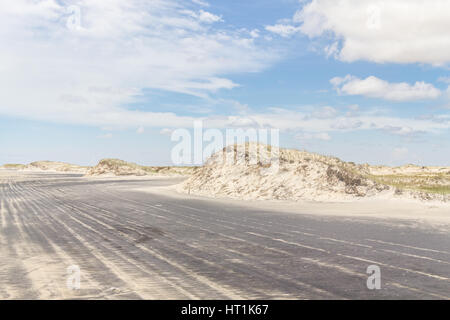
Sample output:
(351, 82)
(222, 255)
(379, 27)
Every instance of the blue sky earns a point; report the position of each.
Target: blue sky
(367, 81)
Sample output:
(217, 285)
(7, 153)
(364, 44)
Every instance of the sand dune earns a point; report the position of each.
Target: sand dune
(300, 175)
(116, 167)
(106, 167)
(408, 170)
(47, 166)
(248, 172)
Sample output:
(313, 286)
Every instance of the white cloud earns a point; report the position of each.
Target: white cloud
(254, 33)
(401, 130)
(332, 49)
(346, 124)
(353, 110)
(283, 29)
(96, 73)
(374, 87)
(401, 31)
(290, 120)
(201, 3)
(204, 16)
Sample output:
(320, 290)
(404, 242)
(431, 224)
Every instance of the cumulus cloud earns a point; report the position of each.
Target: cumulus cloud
(292, 120)
(374, 87)
(92, 63)
(401, 130)
(401, 31)
(254, 33)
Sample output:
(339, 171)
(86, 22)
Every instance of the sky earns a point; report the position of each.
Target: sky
(364, 80)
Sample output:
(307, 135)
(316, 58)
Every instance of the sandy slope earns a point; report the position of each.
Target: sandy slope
(300, 175)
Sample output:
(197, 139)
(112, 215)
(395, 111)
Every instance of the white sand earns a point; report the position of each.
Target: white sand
(300, 176)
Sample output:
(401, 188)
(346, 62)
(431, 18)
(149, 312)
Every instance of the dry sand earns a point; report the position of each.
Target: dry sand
(300, 176)
(435, 214)
(132, 245)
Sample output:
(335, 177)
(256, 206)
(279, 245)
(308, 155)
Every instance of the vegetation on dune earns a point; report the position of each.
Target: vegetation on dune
(154, 169)
(437, 183)
(121, 167)
(14, 166)
(46, 165)
(244, 171)
(306, 170)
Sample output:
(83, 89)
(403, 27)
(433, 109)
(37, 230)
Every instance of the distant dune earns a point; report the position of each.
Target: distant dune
(308, 176)
(116, 167)
(300, 175)
(431, 181)
(106, 167)
(47, 166)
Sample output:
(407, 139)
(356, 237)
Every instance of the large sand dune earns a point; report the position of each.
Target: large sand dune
(299, 175)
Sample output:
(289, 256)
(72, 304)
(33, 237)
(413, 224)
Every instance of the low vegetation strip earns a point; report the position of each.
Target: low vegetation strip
(431, 183)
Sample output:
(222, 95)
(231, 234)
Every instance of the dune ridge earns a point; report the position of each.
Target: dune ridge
(116, 167)
(47, 166)
(300, 175)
